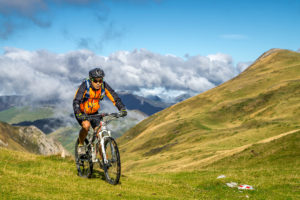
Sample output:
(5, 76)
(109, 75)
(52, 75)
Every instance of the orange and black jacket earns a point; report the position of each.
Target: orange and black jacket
(88, 101)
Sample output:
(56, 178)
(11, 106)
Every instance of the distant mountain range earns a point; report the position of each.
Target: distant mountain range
(145, 105)
(7, 102)
(47, 125)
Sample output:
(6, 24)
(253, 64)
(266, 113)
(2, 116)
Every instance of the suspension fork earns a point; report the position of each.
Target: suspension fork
(103, 149)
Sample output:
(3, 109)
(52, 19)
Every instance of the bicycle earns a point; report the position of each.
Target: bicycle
(101, 148)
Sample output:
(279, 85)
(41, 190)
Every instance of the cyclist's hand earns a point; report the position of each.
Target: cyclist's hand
(81, 116)
(123, 113)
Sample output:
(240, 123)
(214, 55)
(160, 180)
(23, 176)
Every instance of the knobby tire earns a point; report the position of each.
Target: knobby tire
(84, 163)
(112, 170)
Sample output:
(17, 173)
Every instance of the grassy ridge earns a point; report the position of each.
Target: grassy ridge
(271, 168)
(260, 103)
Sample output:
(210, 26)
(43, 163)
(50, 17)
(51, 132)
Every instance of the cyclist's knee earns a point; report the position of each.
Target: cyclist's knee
(86, 125)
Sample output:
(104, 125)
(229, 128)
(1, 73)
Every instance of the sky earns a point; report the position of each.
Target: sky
(243, 29)
(149, 47)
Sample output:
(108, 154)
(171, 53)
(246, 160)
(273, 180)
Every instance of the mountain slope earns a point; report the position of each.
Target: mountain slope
(47, 125)
(262, 102)
(28, 139)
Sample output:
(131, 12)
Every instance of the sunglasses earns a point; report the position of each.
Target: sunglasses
(97, 81)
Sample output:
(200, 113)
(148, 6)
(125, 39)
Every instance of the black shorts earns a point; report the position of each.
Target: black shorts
(94, 122)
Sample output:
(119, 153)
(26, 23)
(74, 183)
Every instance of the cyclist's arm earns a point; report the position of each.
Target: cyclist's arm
(78, 98)
(112, 95)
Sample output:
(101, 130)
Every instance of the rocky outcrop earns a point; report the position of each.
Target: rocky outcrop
(29, 139)
(41, 143)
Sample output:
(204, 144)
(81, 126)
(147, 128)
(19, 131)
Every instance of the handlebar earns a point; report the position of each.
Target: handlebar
(115, 115)
(101, 116)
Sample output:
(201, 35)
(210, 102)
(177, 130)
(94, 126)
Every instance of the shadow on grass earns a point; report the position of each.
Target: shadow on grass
(98, 174)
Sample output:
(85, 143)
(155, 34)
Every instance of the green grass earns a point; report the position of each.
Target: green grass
(272, 169)
(20, 114)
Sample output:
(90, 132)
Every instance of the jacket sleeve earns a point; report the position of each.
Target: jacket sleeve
(78, 99)
(112, 95)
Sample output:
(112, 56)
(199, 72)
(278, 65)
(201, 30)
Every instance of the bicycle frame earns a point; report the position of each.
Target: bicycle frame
(101, 133)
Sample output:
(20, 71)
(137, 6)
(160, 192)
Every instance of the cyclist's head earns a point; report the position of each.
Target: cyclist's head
(96, 76)
(96, 73)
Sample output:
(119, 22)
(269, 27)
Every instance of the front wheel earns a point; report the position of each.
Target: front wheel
(112, 168)
(84, 163)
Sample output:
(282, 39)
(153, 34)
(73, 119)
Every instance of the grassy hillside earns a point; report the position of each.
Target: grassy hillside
(262, 102)
(20, 114)
(271, 168)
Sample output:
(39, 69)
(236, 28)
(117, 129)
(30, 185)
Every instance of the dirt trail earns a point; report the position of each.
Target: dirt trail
(222, 154)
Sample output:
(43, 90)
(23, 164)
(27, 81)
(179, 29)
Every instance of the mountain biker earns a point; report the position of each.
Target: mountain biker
(86, 102)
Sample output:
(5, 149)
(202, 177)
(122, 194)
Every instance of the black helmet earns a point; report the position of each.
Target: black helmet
(96, 73)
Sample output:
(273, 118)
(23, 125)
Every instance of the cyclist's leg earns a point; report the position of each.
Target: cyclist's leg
(84, 131)
(95, 123)
(85, 126)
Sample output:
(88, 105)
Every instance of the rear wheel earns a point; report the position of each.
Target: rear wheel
(112, 168)
(84, 162)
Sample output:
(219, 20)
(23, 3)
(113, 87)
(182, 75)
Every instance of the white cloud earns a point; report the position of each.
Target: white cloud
(48, 76)
(163, 93)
